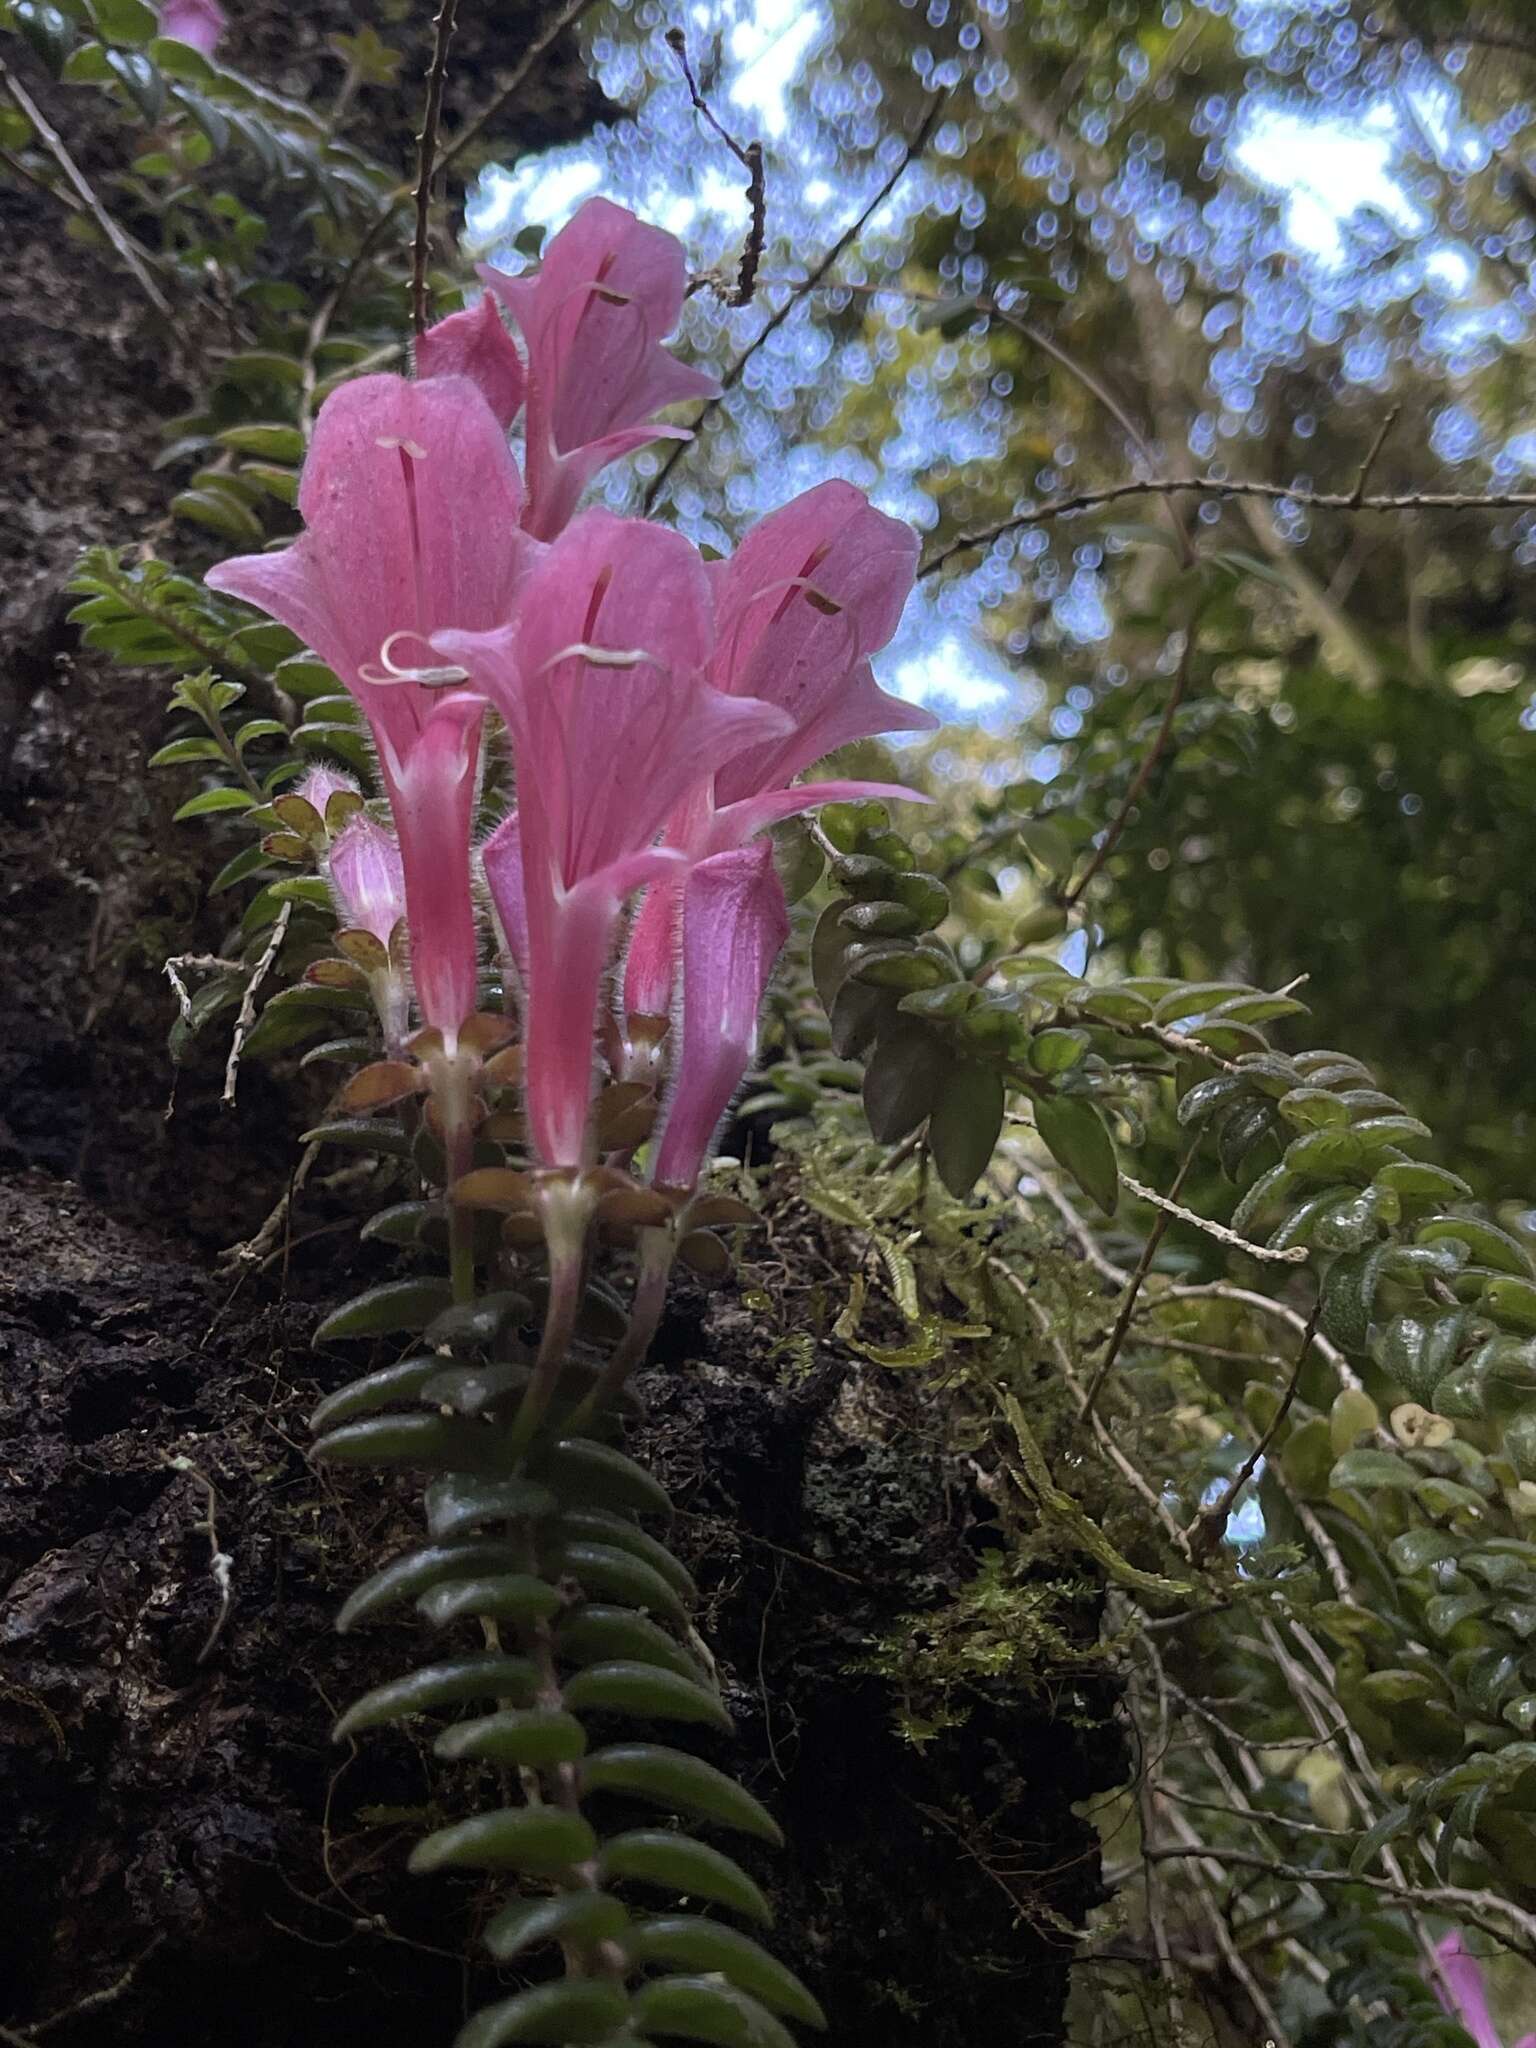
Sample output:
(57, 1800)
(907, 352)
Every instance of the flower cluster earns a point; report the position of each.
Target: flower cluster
(658, 708)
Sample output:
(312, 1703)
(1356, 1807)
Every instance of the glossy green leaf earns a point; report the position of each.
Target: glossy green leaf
(602, 1569)
(455, 1681)
(578, 2011)
(458, 1501)
(426, 1443)
(530, 1737)
(1074, 1134)
(410, 1574)
(703, 2009)
(586, 1473)
(676, 1863)
(902, 1080)
(963, 1128)
(596, 1634)
(683, 1941)
(683, 1784)
(579, 1918)
(496, 1596)
(1368, 1470)
(644, 1690)
(393, 1307)
(601, 1525)
(375, 1390)
(539, 1840)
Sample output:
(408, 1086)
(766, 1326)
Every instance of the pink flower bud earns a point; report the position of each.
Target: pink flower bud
(367, 877)
(199, 22)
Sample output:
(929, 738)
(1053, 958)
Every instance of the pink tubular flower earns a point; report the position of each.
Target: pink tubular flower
(1458, 1984)
(594, 317)
(199, 22)
(734, 928)
(367, 877)
(410, 500)
(811, 593)
(475, 344)
(599, 683)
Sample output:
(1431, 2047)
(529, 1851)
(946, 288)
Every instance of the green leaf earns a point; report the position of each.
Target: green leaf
(681, 1783)
(601, 1526)
(179, 60)
(1075, 1135)
(375, 1390)
(644, 1690)
(587, 1473)
(596, 1634)
(576, 2011)
(209, 801)
(87, 64)
(428, 1443)
(177, 751)
(498, 1596)
(581, 1918)
(454, 1682)
(604, 1569)
(675, 1863)
(1367, 1471)
(683, 1941)
(703, 2009)
(541, 1841)
(273, 440)
(964, 1124)
(46, 29)
(529, 1737)
(221, 514)
(124, 21)
(1416, 1549)
(359, 1133)
(1415, 1177)
(902, 1080)
(1349, 1293)
(1486, 1242)
(392, 1307)
(408, 1576)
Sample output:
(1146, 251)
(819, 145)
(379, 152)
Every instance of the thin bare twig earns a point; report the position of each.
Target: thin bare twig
(1296, 1255)
(53, 142)
(1144, 771)
(247, 1017)
(834, 254)
(220, 1563)
(1133, 1289)
(1378, 442)
(568, 16)
(1231, 487)
(750, 156)
(426, 150)
(1210, 1525)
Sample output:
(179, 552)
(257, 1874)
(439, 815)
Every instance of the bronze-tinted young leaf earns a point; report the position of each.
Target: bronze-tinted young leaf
(379, 1086)
(645, 1691)
(676, 1863)
(453, 1682)
(963, 1128)
(581, 1919)
(541, 1840)
(704, 1253)
(1074, 1134)
(529, 1737)
(684, 1941)
(683, 1784)
(494, 1187)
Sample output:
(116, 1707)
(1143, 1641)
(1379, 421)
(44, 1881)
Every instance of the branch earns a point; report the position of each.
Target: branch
(750, 157)
(568, 16)
(1144, 771)
(1128, 1306)
(834, 254)
(1232, 487)
(1210, 1525)
(426, 145)
(54, 143)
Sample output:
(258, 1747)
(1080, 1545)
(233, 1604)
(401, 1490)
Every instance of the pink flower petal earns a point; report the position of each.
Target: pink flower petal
(475, 344)
(734, 928)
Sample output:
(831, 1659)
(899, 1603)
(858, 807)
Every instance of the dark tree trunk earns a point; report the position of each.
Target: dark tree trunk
(185, 1856)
